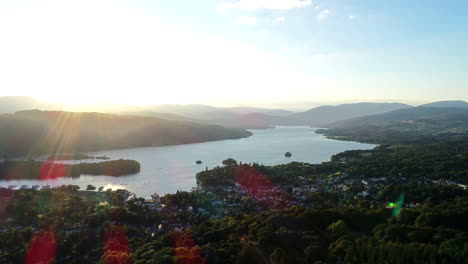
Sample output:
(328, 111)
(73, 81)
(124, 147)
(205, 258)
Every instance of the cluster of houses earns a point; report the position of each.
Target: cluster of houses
(229, 198)
(448, 182)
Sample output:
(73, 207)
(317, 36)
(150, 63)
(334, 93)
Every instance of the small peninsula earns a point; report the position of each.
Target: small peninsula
(44, 170)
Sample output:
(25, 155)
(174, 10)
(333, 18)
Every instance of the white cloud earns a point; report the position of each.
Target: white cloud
(280, 19)
(265, 4)
(246, 20)
(351, 17)
(324, 14)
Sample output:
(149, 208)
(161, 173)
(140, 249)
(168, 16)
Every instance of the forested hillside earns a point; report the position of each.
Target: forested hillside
(419, 124)
(35, 132)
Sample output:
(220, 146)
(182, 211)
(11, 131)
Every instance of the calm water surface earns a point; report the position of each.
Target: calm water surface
(168, 169)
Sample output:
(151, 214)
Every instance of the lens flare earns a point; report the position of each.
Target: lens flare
(186, 250)
(51, 170)
(116, 249)
(42, 248)
(397, 205)
(260, 187)
(63, 135)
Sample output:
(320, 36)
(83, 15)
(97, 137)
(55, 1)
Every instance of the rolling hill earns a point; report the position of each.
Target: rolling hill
(447, 104)
(251, 120)
(249, 110)
(249, 117)
(242, 117)
(418, 124)
(239, 117)
(322, 116)
(34, 132)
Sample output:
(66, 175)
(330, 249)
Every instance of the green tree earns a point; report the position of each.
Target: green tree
(229, 162)
(338, 228)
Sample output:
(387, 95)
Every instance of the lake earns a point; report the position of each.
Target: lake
(171, 168)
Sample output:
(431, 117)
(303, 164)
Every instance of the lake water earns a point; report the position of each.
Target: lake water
(168, 169)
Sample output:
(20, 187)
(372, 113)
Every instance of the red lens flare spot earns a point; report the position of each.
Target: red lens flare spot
(116, 250)
(259, 187)
(42, 248)
(252, 180)
(186, 250)
(52, 170)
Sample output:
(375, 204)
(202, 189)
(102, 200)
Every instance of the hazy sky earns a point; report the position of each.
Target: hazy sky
(230, 52)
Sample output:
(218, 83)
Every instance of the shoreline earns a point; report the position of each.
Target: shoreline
(162, 175)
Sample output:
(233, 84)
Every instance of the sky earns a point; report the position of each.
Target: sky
(234, 52)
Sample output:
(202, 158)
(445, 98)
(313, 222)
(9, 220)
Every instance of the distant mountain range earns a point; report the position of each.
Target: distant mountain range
(242, 117)
(197, 111)
(34, 132)
(256, 117)
(324, 115)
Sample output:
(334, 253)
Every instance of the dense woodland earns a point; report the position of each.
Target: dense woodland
(74, 156)
(50, 169)
(29, 133)
(416, 215)
(79, 226)
(412, 125)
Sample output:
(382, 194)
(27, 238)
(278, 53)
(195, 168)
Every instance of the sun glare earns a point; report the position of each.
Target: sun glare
(82, 100)
(126, 55)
